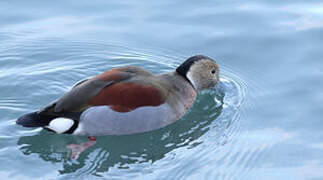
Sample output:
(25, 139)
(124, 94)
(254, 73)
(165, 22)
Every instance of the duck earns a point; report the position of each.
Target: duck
(126, 100)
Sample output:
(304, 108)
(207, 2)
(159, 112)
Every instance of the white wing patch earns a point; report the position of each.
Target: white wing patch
(60, 125)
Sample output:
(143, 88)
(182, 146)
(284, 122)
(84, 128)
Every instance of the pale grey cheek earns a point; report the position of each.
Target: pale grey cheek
(209, 82)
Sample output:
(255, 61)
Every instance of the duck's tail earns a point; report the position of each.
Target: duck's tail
(53, 123)
(35, 119)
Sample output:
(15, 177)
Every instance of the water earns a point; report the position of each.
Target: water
(264, 121)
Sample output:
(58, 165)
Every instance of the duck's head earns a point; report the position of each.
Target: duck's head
(201, 71)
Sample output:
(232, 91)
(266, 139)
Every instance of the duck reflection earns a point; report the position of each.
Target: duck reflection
(123, 151)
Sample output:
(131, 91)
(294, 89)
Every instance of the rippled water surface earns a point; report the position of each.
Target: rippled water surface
(263, 121)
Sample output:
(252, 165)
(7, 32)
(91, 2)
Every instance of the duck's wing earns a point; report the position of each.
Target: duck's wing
(123, 89)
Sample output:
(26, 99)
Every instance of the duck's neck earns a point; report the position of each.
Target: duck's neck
(185, 76)
(178, 80)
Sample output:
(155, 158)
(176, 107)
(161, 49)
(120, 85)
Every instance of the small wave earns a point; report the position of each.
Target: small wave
(49, 67)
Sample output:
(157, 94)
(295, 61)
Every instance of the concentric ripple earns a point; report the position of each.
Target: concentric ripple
(41, 73)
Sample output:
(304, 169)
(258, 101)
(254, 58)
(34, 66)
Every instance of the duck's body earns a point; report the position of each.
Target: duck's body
(160, 102)
(126, 100)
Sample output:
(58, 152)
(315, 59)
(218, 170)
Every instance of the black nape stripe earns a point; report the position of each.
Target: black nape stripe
(185, 66)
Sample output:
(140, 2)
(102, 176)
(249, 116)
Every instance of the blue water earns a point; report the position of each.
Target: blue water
(263, 121)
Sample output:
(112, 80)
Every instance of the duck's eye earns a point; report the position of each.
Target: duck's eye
(213, 71)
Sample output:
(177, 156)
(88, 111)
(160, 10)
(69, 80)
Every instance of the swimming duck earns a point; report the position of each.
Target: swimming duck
(126, 100)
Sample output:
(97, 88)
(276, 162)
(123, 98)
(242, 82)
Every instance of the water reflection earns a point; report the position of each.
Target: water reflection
(212, 121)
(123, 151)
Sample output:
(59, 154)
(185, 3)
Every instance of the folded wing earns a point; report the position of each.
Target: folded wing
(118, 88)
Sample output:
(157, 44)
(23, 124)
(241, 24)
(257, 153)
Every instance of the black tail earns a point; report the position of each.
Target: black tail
(35, 119)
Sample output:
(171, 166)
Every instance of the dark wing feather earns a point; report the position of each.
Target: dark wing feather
(76, 100)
